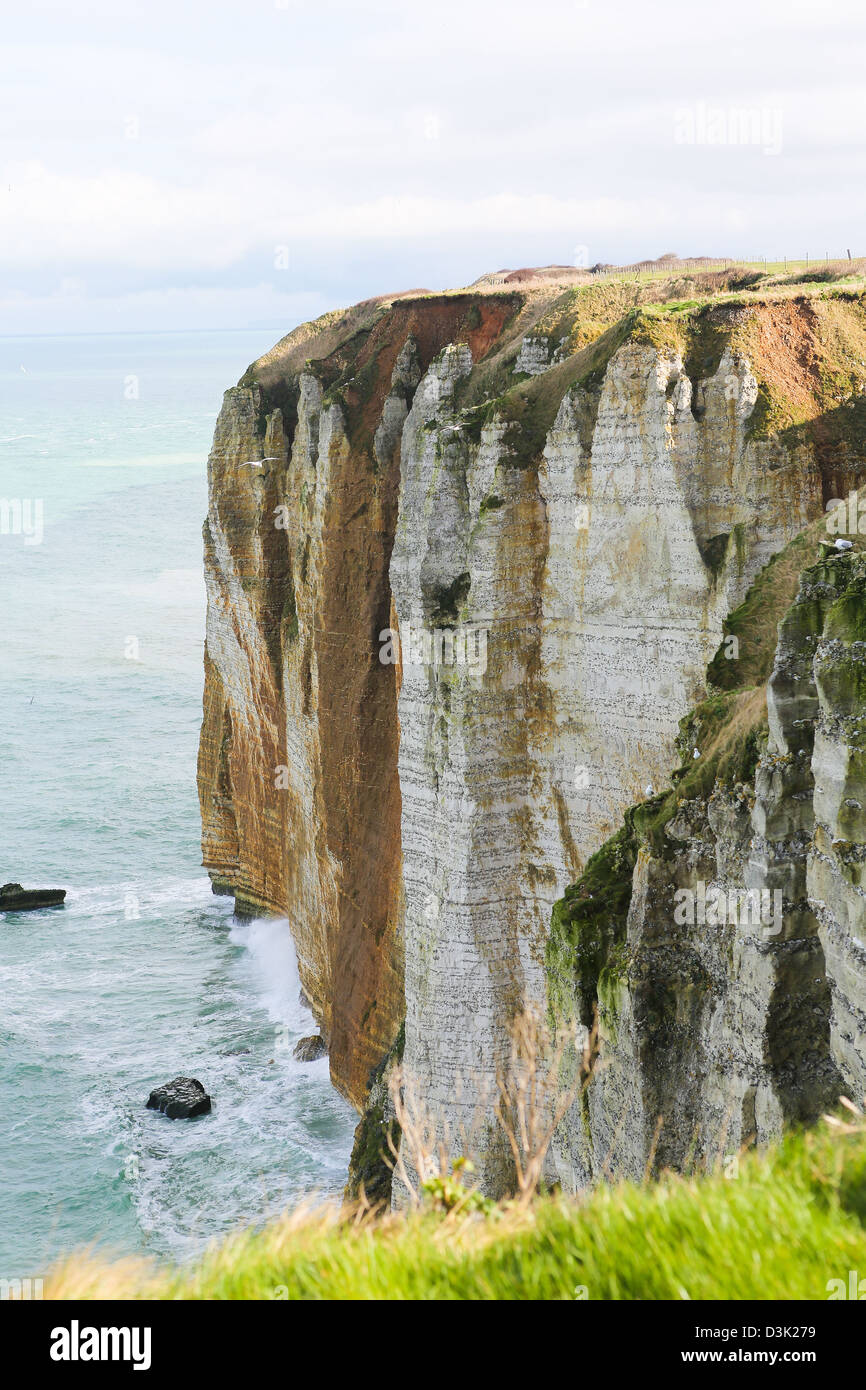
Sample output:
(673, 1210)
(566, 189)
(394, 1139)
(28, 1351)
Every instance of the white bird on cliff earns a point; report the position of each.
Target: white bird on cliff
(257, 463)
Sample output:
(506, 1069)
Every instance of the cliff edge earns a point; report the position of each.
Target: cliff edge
(468, 556)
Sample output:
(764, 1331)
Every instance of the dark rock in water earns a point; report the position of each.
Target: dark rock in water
(180, 1099)
(310, 1049)
(236, 1052)
(14, 898)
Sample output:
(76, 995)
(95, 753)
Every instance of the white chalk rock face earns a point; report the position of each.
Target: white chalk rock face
(533, 357)
(596, 583)
(558, 578)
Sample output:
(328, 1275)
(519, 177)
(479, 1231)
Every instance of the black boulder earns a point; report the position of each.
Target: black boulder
(14, 898)
(180, 1099)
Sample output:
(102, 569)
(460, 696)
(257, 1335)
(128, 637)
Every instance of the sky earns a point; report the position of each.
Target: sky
(195, 165)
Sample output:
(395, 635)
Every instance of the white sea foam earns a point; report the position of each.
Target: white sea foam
(273, 969)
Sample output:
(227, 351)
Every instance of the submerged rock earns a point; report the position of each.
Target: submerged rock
(180, 1099)
(310, 1049)
(14, 898)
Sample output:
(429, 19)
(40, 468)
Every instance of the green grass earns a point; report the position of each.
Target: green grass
(787, 1224)
(755, 623)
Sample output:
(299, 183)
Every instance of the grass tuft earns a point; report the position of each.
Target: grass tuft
(791, 1221)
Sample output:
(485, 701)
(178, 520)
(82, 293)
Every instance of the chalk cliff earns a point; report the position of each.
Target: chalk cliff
(468, 557)
(718, 939)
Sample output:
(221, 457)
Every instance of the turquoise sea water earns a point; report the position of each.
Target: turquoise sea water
(143, 974)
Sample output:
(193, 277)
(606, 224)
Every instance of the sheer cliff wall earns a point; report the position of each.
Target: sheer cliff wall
(555, 499)
(716, 945)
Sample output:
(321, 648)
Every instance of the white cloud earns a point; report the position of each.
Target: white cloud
(169, 149)
(147, 223)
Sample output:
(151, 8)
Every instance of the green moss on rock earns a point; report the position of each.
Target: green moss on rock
(371, 1163)
(588, 924)
(846, 619)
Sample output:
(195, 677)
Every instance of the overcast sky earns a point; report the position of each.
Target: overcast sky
(211, 165)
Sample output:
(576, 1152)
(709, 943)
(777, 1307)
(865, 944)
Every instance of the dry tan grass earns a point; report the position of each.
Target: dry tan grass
(532, 1101)
(86, 1275)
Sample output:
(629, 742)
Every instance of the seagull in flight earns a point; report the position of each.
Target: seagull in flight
(257, 463)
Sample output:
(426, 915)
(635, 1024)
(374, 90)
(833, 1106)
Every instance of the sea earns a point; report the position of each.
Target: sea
(143, 974)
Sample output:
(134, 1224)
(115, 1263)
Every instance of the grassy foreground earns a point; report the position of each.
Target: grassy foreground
(788, 1223)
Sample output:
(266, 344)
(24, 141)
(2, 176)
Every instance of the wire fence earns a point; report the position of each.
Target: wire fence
(707, 264)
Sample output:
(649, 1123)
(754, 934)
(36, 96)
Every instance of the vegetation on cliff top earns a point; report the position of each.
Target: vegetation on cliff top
(755, 622)
(807, 351)
(803, 332)
(791, 1222)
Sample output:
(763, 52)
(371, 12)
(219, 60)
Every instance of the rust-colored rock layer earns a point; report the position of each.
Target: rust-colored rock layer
(298, 780)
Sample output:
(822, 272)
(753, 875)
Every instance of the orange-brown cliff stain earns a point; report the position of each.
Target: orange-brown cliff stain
(358, 737)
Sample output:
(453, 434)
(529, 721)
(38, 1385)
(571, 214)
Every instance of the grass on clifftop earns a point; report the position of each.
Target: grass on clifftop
(792, 1220)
